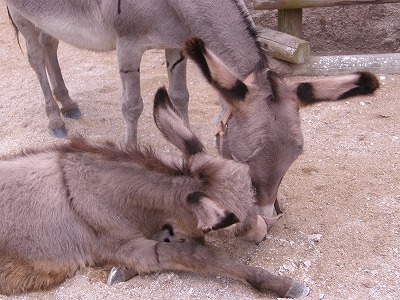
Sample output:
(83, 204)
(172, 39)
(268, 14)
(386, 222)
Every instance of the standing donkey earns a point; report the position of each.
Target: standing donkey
(262, 116)
(78, 204)
(261, 126)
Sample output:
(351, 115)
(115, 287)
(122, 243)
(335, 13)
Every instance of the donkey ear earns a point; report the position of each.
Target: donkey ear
(336, 87)
(209, 215)
(172, 126)
(216, 72)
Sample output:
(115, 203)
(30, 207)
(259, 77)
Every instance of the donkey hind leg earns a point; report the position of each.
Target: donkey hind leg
(36, 58)
(19, 276)
(69, 108)
(151, 256)
(177, 90)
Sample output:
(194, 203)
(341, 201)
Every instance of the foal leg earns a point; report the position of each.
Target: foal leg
(129, 58)
(151, 256)
(177, 90)
(69, 108)
(36, 58)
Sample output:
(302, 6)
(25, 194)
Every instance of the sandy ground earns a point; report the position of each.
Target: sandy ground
(340, 232)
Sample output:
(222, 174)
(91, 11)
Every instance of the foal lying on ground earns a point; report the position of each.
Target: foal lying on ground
(75, 205)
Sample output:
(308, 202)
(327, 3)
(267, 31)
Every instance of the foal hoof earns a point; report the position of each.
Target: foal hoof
(118, 275)
(59, 133)
(297, 291)
(73, 113)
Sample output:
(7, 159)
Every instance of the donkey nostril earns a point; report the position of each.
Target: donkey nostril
(166, 240)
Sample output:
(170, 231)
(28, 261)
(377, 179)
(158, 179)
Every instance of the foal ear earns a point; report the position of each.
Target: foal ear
(216, 72)
(172, 126)
(209, 215)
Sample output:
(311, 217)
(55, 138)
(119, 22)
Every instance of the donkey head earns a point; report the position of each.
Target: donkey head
(219, 192)
(262, 125)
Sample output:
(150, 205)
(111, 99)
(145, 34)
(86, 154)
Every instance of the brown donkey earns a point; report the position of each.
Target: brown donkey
(75, 205)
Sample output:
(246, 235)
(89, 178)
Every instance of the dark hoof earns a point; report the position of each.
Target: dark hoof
(59, 133)
(73, 113)
(118, 275)
(297, 291)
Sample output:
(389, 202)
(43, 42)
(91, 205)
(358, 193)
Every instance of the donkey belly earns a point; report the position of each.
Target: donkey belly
(96, 37)
(77, 22)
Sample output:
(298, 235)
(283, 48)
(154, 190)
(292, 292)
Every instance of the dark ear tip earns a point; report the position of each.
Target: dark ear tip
(305, 92)
(161, 98)
(230, 218)
(194, 46)
(368, 81)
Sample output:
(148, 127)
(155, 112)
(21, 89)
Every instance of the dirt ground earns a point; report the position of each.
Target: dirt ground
(340, 231)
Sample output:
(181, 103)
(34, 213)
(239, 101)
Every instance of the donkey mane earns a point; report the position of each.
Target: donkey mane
(143, 154)
(252, 30)
(207, 172)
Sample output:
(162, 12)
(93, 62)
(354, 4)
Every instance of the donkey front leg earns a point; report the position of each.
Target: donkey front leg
(129, 58)
(177, 90)
(69, 108)
(36, 58)
(151, 256)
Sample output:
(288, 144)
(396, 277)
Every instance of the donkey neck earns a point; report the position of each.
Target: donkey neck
(227, 29)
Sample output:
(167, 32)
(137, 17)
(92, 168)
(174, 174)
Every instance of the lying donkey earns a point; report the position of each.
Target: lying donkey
(264, 126)
(75, 205)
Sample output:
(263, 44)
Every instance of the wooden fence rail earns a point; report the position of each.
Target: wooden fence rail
(290, 4)
(290, 19)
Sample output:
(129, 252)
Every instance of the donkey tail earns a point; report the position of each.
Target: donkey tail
(337, 87)
(16, 30)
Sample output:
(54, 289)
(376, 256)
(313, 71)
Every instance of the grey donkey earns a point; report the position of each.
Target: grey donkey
(79, 204)
(130, 27)
(261, 125)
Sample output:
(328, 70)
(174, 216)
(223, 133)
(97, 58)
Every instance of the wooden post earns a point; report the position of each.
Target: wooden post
(290, 21)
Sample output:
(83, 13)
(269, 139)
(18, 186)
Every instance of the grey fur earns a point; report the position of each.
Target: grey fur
(264, 131)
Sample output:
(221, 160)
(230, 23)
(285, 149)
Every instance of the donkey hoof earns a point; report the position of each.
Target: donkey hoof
(297, 291)
(59, 133)
(73, 113)
(118, 275)
(271, 221)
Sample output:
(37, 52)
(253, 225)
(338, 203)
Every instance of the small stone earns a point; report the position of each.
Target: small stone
(307, 263)
(314, 238)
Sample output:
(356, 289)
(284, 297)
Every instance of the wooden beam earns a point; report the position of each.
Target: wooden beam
(284, 46)
(290, 4)
(333, 65)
